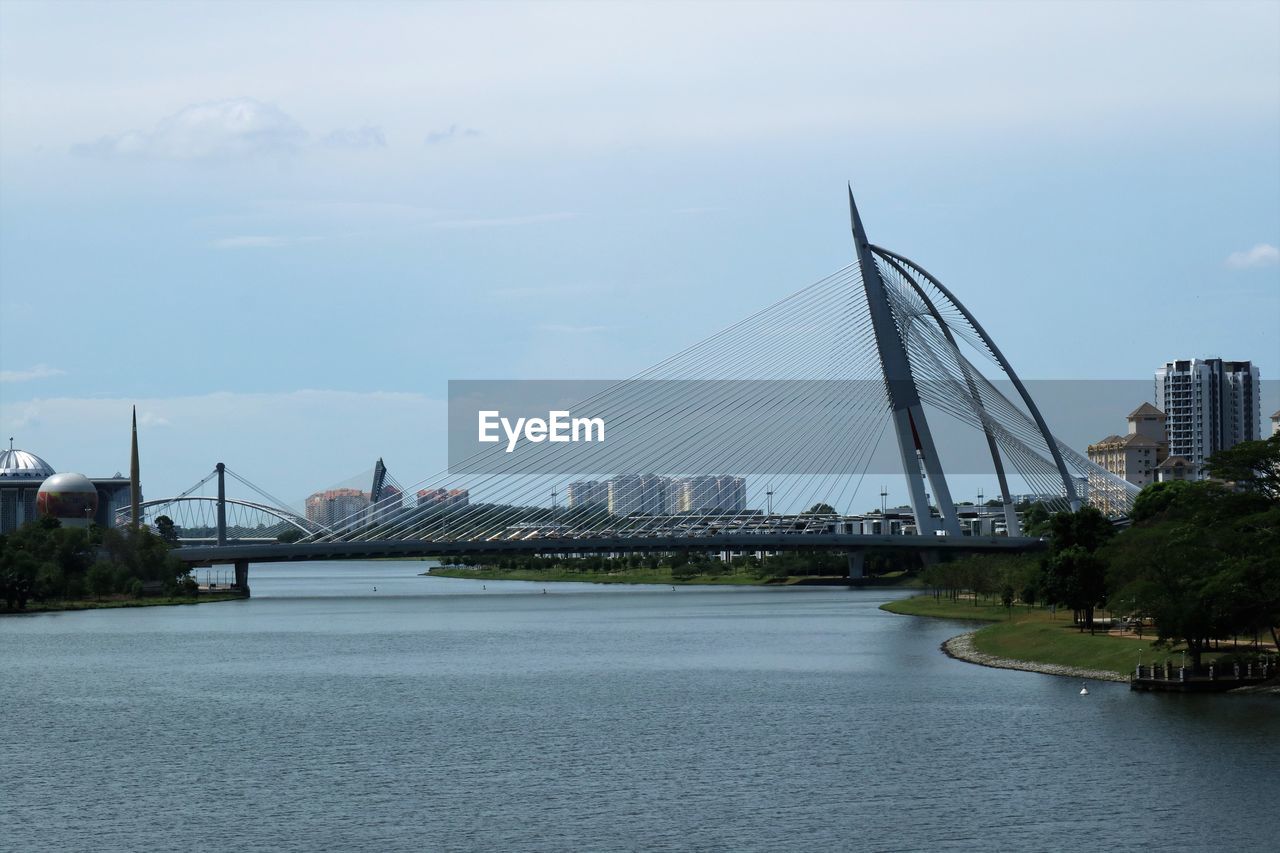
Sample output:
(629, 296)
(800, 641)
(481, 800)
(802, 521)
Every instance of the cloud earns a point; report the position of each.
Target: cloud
(1261, 255)
(436, 137)
(40, 371)
(355, 139)
(239, 127)
(260, 241)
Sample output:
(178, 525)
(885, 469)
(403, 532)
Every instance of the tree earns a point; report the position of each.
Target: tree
(1157, 498)
(1202, 561)
(1088, 528)
(167, 530)
(821, 509)
(1073, 575)
(1077, 579)
(1035, 519)
(1253, 466)
(100, 578)
(292, 534)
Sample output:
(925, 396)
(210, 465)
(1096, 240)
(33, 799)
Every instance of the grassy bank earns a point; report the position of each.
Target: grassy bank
(653, 576)
(1032, 634)
(119, 601)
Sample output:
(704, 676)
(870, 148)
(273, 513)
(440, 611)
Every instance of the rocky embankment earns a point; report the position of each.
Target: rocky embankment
(961, 648)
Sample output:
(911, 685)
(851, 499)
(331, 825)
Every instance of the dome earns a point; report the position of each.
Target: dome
(70, 498)
(21, 465)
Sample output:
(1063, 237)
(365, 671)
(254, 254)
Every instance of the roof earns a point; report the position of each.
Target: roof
(1131, 440)
(1276, 416)
(1145, 410)
(1175, 462)
(21, 465)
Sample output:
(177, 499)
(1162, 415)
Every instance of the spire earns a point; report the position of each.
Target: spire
(859, 233)
(135, 487)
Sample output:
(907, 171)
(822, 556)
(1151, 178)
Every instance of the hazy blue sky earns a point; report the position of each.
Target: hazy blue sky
(281, 228)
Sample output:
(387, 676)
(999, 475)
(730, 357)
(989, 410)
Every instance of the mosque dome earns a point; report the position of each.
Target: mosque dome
(70, 498)
(21, 465)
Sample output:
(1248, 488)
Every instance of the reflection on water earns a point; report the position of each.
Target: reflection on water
(451, 714)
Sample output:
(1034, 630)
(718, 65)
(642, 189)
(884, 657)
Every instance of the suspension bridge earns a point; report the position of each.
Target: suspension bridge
(879, 348)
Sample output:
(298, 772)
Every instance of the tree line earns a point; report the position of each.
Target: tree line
(43, 561)
(1200, 560)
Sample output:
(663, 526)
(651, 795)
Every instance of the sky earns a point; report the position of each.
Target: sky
(280, 229)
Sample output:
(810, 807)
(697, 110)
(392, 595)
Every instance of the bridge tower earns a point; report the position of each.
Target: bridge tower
(241, 566)
(222, 503)
(915, 441)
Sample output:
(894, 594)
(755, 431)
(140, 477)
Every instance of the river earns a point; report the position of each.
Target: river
(439, 714)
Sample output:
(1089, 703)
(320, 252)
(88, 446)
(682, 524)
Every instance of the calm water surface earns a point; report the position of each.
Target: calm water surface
(434, 714)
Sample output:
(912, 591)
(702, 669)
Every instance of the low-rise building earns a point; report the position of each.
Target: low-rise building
(1176, 468)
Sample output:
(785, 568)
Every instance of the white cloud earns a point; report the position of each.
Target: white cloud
(238, 127)
(1261, 255)
(40, 371)
(436, 137)
(260, 241)
(355, 138)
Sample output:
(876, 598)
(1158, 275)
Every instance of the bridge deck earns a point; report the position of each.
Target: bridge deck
(373, 549)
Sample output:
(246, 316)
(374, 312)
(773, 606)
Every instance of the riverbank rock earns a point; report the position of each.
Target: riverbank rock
(962, 648)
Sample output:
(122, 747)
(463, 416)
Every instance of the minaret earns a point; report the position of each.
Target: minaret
(135, 486)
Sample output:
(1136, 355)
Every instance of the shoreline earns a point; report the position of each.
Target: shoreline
(646, 579)
(78, 605)
(961, 648)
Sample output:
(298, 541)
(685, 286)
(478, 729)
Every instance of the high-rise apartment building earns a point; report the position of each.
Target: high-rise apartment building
(587, 493)
(650, 494)
(441, 498)
(640, 494)
(1210, 404)
(336, 507)
(710, 494)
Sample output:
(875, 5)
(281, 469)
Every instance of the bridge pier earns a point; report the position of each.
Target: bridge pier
(242, 576)
(857, 564)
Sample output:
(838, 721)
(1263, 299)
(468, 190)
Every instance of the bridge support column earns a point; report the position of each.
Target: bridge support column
(222, 504)
(857, 565)
(242, 576)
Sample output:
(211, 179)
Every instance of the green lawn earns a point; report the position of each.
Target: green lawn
(656, 576)
(1032, 634)
(632, 576)
(945, 608)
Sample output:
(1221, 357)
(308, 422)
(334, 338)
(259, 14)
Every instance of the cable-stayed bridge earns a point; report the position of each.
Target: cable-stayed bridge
(800, 395)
